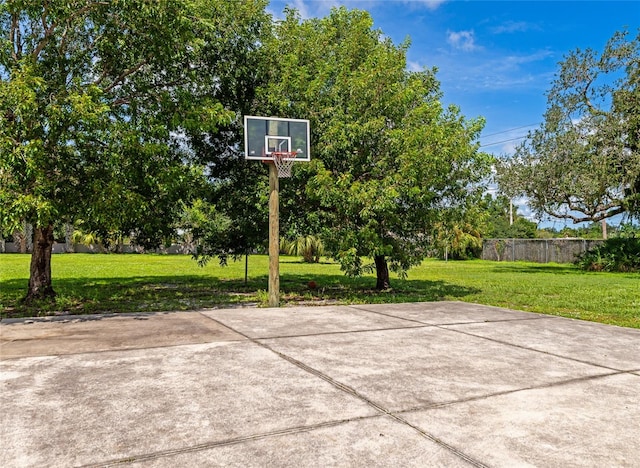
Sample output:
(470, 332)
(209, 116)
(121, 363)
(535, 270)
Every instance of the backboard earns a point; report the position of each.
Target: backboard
(266, 135)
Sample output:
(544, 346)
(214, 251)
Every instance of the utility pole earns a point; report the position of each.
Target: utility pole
(510, 212)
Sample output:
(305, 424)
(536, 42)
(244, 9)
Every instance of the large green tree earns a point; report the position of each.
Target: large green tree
(237, 187)
(100, 103)
(389, 162)
(583, 163)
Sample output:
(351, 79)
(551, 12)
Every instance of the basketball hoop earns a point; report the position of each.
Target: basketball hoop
(271, 139)
(284, 162)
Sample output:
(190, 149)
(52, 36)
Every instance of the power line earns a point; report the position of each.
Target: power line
(503, 141)
(510, 130)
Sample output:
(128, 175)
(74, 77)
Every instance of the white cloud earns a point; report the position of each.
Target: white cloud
(414, 66)
(302, 8)
(463, 40)
(513, 60)
(321, 8)
(306, 8)
(513, 27)
(489, 70)
(430, 4)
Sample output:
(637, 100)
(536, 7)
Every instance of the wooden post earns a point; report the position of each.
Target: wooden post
(274, 238)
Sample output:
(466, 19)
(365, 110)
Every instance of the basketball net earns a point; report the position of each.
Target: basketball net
(284, 162)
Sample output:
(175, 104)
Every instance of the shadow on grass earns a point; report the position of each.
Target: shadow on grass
(521, 267)
(163, 293)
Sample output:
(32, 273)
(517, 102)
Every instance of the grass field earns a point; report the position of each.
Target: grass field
(88, 283)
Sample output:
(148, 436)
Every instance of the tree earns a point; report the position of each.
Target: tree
(389, 162)
(583, 163)
(237, 187)
(462, 241)
(503, 220)
(100, 103)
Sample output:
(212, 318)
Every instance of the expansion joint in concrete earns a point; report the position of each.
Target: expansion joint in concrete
(220, 443)
(351, 391)
(534, 350)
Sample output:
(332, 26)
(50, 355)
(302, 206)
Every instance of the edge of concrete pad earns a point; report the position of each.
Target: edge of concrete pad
(593, 343)
(97, 316)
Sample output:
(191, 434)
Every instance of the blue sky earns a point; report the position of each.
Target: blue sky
(495, 59)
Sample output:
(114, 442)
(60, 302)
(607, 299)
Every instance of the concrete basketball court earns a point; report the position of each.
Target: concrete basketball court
(425, 384)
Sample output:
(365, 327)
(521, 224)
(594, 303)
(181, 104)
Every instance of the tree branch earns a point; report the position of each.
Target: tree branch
(102, 76)
(592, 109)
(600, 213)
(121, 102)
(124, 74)
(14, 35)
(48, 32)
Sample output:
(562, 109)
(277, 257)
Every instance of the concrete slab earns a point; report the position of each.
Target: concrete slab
(375, 442)
(403, 384)
(87, 408)
(588, 423)
(604, 345)
(298, 321)
(95, 333)
(447, 312)
(409, 368)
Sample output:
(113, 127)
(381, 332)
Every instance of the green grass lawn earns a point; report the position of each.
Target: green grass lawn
(97, 283)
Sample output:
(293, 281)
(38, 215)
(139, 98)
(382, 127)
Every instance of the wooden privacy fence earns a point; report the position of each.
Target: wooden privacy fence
(501, 250)
(536, 250)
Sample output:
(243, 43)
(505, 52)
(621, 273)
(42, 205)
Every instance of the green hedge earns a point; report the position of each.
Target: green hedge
(617, 254)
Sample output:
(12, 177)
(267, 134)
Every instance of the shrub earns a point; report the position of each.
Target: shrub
(458, 242)
(310, 248)
(617, 254)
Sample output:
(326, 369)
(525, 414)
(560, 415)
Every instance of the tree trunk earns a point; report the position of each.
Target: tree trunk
(40, 270)
(382, 273)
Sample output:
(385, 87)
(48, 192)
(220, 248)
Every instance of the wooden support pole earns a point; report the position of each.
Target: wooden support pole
(274, 238)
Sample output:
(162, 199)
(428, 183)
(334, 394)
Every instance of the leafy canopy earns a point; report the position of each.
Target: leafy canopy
(389, 162)
(583, 163)
(101, 102)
